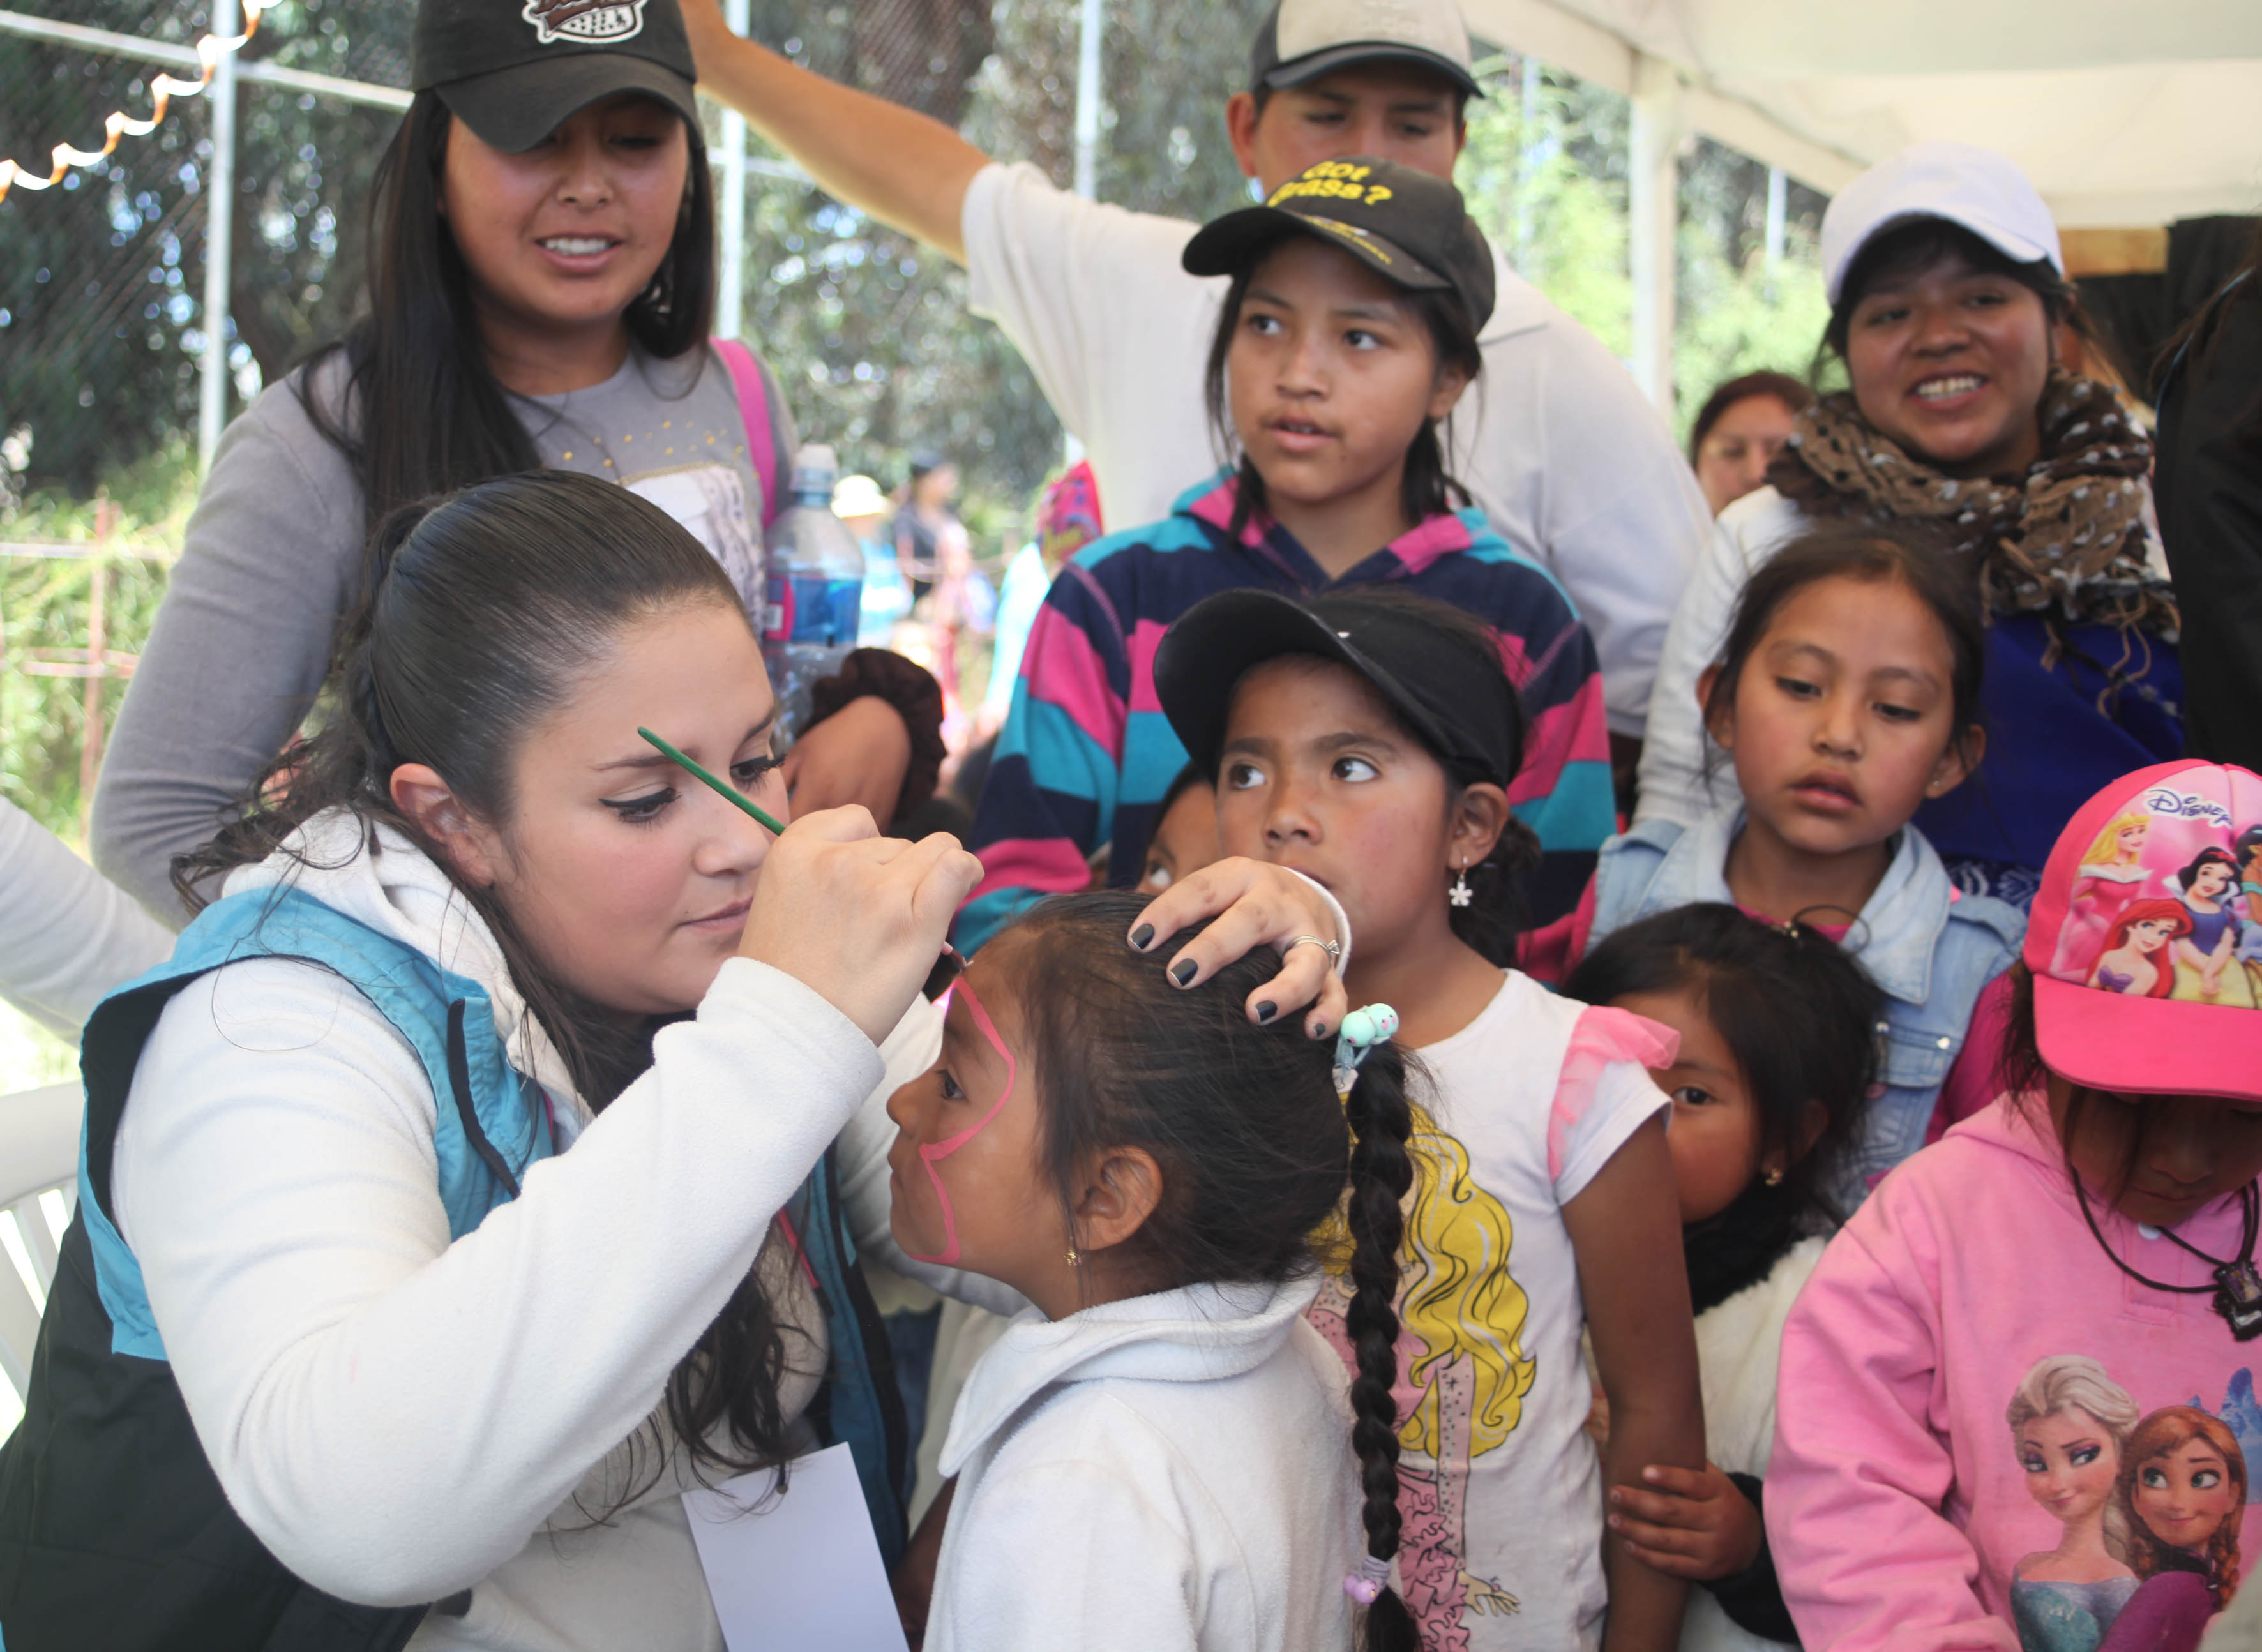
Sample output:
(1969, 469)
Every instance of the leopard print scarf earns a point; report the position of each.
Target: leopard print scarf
(2068, 541)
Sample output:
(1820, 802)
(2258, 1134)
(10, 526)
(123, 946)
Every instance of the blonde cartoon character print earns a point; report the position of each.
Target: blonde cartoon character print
(2070, 1425)
(1462, 1373)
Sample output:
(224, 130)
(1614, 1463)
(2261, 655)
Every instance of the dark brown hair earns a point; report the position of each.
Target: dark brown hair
(1793, 394)
(1255, 1149)
(480, 613)
(423, 412)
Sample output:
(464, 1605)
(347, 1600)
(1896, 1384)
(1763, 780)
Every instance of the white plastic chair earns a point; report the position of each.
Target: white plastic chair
(38, 1189)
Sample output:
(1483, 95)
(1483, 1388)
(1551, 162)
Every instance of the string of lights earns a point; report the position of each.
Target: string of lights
(163, 88)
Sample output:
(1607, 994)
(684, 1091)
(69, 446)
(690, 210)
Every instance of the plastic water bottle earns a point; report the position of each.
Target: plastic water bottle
(815, 570)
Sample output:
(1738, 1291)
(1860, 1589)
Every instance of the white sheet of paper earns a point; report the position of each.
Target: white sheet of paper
(801, 1572)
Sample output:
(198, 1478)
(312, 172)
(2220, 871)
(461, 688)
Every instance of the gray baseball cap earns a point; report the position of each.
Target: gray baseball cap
(1300, 40)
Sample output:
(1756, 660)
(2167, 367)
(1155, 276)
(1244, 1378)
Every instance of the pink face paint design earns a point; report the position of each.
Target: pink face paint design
(947, 1256)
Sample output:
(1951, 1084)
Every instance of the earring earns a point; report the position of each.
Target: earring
(1460, 894)
(1772, 1175)
(1074, 1260)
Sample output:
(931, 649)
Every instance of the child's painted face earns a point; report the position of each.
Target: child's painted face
(1716, 1130)
(2194, 1150)
(1185, 839)
(2152, 934)
(965, 1179)
(1318, 776)
(627, 877)
(1844, 716)
(1329, 374)
(2185, 1495)
(2071, 1462)
(566, 235)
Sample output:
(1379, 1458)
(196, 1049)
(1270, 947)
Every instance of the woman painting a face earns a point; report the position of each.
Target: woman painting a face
(2069, 1420)
(2182, 1493)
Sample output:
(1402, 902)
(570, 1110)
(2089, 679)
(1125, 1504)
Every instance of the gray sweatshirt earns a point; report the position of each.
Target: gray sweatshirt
(242, 643)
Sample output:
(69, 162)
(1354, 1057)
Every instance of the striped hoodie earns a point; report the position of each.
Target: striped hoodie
(1086, 753)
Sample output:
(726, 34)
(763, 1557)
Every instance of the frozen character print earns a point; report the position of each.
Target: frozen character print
(2070, 1422)
(1463, 1375)
(2204, 960)
(2136, 957)
(2181, 1496)
(2112, 875)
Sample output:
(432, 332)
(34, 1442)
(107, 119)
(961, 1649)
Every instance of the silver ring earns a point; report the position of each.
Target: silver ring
(1333, 949)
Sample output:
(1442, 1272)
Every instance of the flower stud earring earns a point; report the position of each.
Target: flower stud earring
(1460, 894)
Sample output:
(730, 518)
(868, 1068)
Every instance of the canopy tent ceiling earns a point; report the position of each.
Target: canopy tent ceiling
(2122, 114)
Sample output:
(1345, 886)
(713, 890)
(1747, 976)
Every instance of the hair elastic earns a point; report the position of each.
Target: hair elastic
(1362, 1030)
(1365, 1584)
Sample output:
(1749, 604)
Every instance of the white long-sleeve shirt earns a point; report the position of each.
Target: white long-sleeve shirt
(398, 1417)
(68, 935)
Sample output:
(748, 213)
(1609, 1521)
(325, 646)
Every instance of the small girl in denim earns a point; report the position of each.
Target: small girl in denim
(1846, 695)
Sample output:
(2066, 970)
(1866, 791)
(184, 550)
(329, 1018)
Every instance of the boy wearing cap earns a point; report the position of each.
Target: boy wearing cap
(1945, 286)
(1562, 454)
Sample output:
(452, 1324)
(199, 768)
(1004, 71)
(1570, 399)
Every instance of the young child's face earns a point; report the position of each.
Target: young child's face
(2195, 1148)
(2186, 1494)
(994, 1211)
(1185, 839)
(1329, 374)
(1844, 716)
(1715, 1132)
(1318, 776)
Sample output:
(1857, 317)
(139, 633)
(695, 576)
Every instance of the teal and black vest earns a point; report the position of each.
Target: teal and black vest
(115, 1532)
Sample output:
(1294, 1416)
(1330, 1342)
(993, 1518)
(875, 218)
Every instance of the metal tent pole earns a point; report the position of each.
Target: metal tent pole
(220, 238)
(1087, 99)
(732, 187)
(1653, 204)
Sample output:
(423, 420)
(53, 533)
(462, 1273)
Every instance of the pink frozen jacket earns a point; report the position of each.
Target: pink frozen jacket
(1904, 1508)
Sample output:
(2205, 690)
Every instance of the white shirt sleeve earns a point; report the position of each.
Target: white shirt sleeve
(394, 1415)
(1094, 298)
(68, 935)
(1625, 1099)
(1674, 785)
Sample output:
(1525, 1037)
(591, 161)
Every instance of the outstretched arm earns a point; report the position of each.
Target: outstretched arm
(907, 169)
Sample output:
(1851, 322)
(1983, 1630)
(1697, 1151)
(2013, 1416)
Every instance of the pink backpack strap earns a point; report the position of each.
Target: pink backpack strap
(753, 394)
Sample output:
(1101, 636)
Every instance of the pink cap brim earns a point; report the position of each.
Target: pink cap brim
(2147, 1046)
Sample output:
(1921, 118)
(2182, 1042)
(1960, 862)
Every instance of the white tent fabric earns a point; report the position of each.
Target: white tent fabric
(2123, 114)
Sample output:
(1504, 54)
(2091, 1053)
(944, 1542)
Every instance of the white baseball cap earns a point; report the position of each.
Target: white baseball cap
(1975, 188)
(1300, 40)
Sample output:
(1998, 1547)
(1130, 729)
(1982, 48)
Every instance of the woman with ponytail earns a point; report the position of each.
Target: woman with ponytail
(541, 242)
(1154, 1454)
(489, 1163)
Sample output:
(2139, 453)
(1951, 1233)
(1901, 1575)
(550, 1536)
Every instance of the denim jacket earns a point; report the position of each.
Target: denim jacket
(1929, 950)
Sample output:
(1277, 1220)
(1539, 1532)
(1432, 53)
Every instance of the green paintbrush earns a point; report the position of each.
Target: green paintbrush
(723, 786)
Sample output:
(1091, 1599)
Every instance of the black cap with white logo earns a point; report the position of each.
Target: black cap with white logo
(1409, 227)
(1300, 40)
(515, 70)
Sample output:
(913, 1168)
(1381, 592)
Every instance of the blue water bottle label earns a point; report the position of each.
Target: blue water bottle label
(812, 609)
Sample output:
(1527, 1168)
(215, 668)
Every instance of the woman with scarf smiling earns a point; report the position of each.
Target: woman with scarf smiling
(1947, 290)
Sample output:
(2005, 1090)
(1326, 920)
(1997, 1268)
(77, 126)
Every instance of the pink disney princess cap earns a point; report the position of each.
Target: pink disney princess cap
(2147, 931)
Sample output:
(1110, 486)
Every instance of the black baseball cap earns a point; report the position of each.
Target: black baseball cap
(1407, 226)
(1462, 704)
(1300, 40)
(515, 70)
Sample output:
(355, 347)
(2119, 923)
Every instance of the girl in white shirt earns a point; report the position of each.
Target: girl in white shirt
(1371, 740)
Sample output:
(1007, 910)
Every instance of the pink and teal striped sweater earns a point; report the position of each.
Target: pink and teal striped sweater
(1086, 752)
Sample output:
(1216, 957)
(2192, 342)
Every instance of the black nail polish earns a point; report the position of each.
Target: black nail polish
(1265, 1010)
(1319, 1031)
(1183, 971)
(1142, 938)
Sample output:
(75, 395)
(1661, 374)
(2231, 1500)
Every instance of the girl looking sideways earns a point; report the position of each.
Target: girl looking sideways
(490, 1163)
(1347, 339)
(1368, 739)
(1158, 1453)
(540, 294)
(1846, 695)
